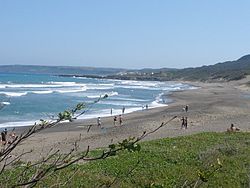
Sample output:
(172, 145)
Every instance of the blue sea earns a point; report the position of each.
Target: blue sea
(26, 98)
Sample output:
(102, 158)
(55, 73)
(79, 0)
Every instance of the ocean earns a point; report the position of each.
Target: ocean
(26, 98)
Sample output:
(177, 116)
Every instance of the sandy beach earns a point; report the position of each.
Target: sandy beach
(212, 107)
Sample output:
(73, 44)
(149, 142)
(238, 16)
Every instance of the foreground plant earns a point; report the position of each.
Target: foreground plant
(29, 174)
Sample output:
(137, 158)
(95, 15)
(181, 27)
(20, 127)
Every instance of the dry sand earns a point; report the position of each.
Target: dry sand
(212, 107)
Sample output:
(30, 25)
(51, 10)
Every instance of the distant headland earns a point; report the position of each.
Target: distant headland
(226, 71)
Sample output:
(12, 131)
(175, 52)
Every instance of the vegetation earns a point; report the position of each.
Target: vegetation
(202, 160)
(227, 71)
(14, 172)
(29, 174)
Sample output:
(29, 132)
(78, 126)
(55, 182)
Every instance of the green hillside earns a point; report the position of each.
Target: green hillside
(230, 70)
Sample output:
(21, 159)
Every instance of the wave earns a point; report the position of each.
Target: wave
(4, 103)
(17, 124)
(128, 99)
(155, 104)
(42, 92)
(159, 87)
(151, 85)
(119, 103)
(43, 85)
(19, 94)
(70, 91)
(2, 86)
(136, 87)
(68, 84)
(158, 102)
(140, 83)
(14, 94)
(100, 86)
(113, 93)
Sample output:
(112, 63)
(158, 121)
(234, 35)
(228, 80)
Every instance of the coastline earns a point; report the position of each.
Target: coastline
(212, 107)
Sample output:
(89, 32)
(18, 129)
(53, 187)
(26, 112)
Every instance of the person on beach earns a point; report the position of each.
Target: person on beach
(182, 122)
(99, 121)
(146, 106)
(3, 135)
(111, 111)
(12, 137)
(120, 119)
(123, 109)
(233, 128)
(115, 119)
(186, 108)
(186, 123)
(142, 108)
(5, 131)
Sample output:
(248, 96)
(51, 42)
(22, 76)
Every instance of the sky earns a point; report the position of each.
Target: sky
(123, 33)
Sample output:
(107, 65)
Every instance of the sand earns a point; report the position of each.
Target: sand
(212, 107)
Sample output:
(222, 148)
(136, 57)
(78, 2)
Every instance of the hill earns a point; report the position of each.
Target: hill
(226, 71)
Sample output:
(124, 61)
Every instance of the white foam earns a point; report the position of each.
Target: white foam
(106, 84)
(136, 87)
(155, 104)
(113, 93)
(100, 86)
(130, 110)
(140, 83)
(42, 92)
(68, 84)
(5, 103)
(158, 102)
(19, 94)
(17, 124)
(102, 95)
(46, 85)
(193, 87)
(128, 99)
(27, 85)
(70, 90)
(119, 103)
(94, 96)
(14, 94)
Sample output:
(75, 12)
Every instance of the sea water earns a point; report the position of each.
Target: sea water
(26, 98)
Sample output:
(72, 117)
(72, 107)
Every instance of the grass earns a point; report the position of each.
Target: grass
(170, 162)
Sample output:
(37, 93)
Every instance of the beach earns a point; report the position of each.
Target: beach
(212, 107)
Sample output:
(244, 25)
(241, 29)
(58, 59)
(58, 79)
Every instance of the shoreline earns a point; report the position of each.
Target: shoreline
(164, 97)
(212, 107)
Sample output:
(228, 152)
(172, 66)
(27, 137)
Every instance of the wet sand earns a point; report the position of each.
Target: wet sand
(212, 107)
